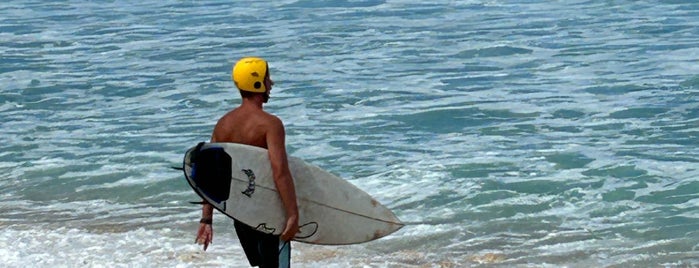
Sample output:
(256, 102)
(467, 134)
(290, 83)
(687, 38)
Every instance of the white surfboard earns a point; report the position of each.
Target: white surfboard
(237, 180)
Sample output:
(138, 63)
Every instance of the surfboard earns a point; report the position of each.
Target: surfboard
(237, 180)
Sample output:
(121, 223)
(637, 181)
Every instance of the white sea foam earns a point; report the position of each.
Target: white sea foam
(503, 133)
(66, 247)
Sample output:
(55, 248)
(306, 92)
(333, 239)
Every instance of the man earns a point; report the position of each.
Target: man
(250, 124)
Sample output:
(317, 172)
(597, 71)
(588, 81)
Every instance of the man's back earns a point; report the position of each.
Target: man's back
(246, 125)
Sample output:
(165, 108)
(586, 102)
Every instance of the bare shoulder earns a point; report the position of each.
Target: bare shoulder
(273, 121)
(225, 121)
(275, 135)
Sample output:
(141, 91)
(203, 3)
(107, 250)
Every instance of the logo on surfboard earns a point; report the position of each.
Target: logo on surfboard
(305, 230)
(251, 182)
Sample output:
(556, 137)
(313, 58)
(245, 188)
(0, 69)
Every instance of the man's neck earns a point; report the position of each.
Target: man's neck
(252, 102)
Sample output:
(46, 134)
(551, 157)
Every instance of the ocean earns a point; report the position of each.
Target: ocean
(504, 133)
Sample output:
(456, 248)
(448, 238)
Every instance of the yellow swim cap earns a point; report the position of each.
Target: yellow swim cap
(249, 74)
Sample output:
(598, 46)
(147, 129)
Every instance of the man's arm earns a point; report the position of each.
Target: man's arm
(205, 234)
(282, 177)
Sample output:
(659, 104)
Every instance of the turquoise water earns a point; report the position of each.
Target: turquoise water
(505, 133)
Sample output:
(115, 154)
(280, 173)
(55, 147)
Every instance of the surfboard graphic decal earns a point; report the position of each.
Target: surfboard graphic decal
(251, 182)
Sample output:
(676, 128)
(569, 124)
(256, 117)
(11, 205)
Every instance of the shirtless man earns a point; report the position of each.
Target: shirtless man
(250, 124)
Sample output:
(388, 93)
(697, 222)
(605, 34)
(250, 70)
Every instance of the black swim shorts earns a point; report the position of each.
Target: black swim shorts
(263, 250)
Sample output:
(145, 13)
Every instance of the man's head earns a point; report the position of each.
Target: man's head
(251, 76)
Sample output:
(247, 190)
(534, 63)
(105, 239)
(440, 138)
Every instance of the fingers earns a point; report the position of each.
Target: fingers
(209, 239)
(206, 240)
(290, 231)
(286, 236)
(205, 236)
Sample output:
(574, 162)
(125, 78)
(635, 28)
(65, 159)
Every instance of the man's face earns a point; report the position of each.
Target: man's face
(268, 85)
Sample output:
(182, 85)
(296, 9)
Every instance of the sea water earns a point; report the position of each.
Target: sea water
(504, 133)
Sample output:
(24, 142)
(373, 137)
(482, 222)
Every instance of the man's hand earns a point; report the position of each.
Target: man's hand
(205, 235)
(291, 229)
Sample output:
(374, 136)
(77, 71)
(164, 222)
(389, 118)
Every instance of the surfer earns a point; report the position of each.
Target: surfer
(250, 124)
